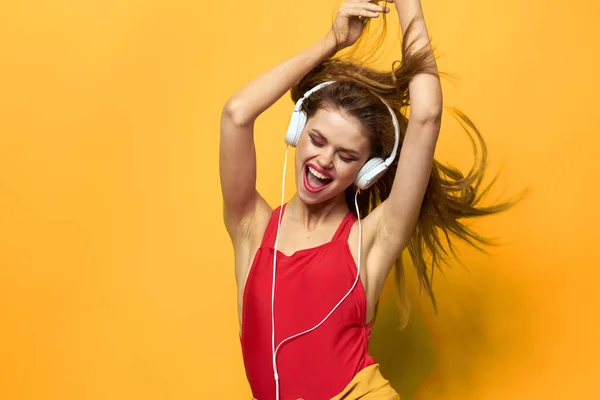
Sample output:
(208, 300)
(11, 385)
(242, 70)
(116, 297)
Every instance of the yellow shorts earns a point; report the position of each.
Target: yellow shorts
(368, 384)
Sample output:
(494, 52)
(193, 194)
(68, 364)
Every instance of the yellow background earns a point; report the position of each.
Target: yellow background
(116, 274)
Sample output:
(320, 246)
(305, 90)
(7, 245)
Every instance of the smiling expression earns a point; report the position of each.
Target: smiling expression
(331, 150)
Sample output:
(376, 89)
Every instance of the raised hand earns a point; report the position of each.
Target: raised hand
(350, 20)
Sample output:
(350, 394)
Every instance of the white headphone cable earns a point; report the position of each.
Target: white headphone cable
(273, 348)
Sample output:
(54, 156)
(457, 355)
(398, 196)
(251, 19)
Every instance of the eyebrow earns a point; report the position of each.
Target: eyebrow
(349, 151)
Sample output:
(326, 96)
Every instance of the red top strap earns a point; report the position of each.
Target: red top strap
(271, 232)
(342, 232)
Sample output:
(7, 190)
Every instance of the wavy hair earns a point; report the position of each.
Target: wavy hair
(450, 197)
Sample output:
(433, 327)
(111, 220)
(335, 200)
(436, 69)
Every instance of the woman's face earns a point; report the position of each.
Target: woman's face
(331, 150)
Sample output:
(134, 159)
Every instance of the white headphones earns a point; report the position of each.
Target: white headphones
(373, 169)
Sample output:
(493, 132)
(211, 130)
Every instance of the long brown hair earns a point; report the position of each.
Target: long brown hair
(450, 197)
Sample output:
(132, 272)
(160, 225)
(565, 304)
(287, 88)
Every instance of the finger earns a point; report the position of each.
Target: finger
(357, 12)
(368, 1)
(370, 7)
(365, 3)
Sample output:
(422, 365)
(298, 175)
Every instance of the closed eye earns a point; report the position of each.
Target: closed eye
(346, 159)
(316, 142)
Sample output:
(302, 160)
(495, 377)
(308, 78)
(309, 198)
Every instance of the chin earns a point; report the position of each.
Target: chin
(308, 198)
(316, 198)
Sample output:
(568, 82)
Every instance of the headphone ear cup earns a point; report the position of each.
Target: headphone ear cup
(297, 123)
(370, 173)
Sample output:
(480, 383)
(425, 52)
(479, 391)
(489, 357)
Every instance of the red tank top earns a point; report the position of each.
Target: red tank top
(319, 364)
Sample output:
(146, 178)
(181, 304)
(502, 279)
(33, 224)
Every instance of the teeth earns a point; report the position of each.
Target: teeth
(317, 173)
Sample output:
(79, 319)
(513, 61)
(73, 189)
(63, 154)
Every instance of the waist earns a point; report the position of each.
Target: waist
(309, 367)
(367, 382)
(320, 363)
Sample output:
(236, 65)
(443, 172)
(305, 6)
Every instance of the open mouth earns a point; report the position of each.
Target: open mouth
(315, 180)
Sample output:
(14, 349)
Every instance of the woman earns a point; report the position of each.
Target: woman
(307, 294)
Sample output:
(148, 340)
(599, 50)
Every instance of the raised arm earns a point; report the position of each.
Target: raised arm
(396, 218)
(237, 159)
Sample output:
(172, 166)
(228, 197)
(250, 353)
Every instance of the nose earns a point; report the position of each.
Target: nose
(325, 160)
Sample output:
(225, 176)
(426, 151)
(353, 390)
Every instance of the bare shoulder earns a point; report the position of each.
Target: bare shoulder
(378, 254)
(242, 227)
(260, 220)
(368, 233)
(247, 236)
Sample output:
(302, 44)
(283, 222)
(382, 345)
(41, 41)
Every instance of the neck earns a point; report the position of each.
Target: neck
(313, 215)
